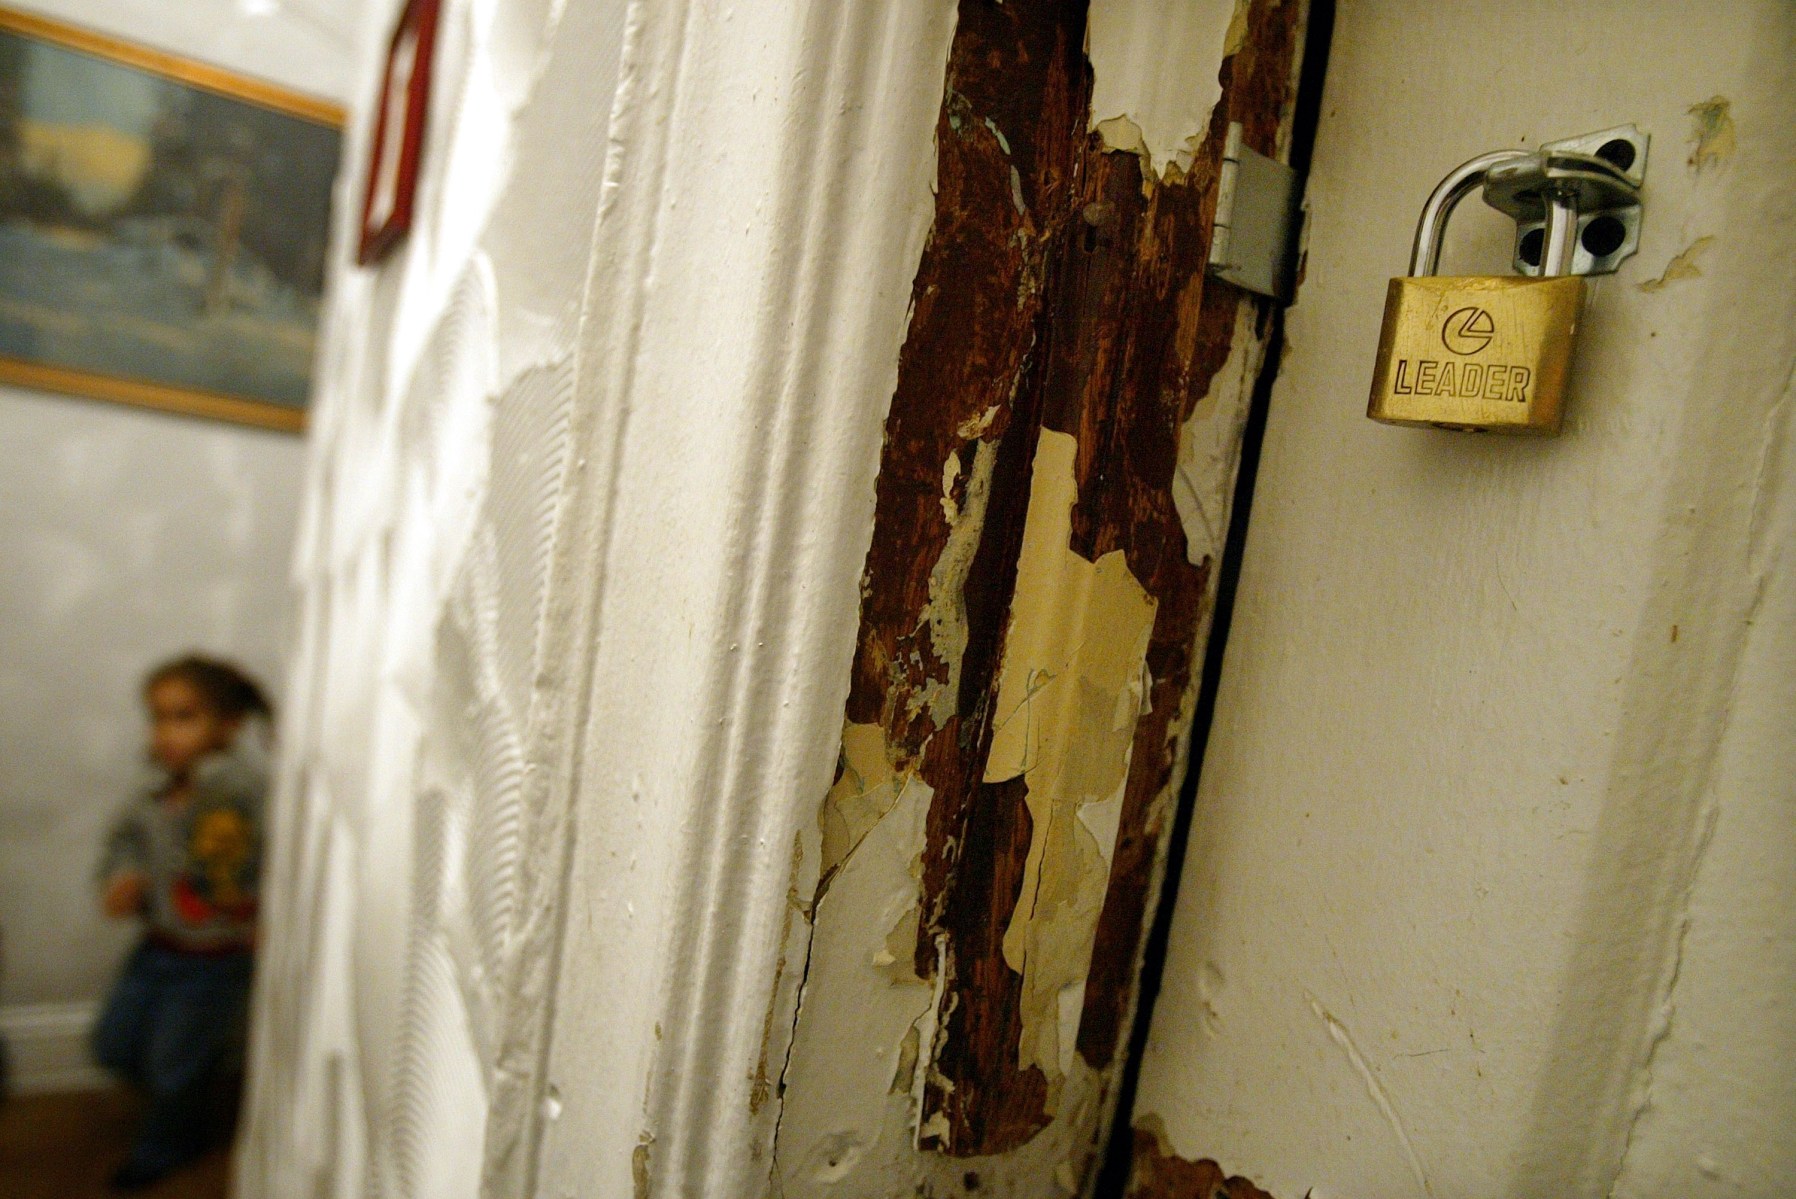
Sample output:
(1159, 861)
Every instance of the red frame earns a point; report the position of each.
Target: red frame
(419, 19)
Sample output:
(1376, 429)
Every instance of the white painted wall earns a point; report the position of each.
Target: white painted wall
(1492, 887)
(307, 45)
(127, 536)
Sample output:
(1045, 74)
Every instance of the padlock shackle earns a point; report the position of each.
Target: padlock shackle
(1425, 255)
(1561, 242)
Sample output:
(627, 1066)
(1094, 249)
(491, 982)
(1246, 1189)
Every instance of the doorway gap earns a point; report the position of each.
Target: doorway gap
(1113, 1175)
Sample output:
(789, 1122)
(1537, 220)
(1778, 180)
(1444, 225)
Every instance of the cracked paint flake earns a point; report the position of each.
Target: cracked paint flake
(1122, 134)
(977, 426)
(866, 789)
(904, 1076)
(896, 957)
(1070, 691)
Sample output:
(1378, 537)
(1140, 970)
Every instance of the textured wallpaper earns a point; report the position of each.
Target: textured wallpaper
(432, 507)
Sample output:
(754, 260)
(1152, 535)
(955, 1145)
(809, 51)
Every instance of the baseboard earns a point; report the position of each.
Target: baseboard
(46, 1047)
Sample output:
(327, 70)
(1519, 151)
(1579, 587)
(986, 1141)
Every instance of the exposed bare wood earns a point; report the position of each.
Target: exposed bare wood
(1062, 289)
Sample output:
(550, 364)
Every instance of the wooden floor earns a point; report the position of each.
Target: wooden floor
(65, 1147)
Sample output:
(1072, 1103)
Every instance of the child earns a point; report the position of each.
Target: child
(184, 857)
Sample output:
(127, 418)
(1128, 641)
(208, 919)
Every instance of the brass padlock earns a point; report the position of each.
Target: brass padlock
(1486, 354)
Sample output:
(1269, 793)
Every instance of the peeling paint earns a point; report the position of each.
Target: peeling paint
(1003, 142)
(929, 1027)
(1103, 817)
(1712, 133)
(1155, 81)
(866, 789)
(1069, 694)
(1030, 624)
(897, 956)
(1236, 35)
(1210, 445)
(1062, 672)
(1121, 134)
(904, 1076)
(1119, 376)
(1683, 266)
(946, 612)
(950, 505)
(977, 426)
(639, 1166)
(863, 1013)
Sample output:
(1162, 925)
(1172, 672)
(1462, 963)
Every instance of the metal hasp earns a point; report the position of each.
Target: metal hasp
(1596, 177)
(1254, 244)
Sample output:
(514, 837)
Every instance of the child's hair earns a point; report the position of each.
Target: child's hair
(225, 688)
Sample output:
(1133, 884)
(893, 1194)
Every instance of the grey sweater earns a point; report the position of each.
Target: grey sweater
(202, 862)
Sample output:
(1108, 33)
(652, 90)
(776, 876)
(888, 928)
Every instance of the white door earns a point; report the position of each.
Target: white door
(1490, 884)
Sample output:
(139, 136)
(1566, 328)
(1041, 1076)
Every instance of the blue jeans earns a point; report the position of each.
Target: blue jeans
(170, 1022)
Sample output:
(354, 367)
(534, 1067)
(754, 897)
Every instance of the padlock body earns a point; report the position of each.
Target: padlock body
(1487, 354)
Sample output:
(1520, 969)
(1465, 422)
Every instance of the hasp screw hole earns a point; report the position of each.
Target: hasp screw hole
(1603, 236)
(1533, 241)
(1617, 152)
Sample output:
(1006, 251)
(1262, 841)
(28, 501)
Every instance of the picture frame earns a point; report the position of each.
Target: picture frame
(164, 226)
(397, 146)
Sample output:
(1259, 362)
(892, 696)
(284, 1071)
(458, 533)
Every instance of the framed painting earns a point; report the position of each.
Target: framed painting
(398, 142)
(163, 226)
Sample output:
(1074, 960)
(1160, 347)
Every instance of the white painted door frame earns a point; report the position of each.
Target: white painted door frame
(749, 295)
